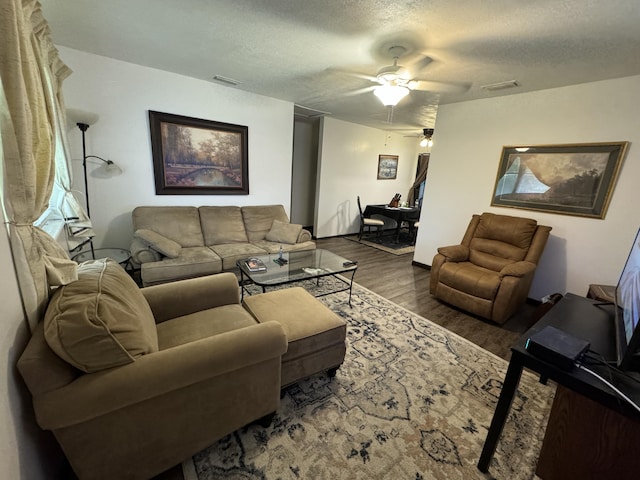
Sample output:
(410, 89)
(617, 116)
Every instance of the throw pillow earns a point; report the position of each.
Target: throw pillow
(282, 232)
(159, 243)
(101, 320)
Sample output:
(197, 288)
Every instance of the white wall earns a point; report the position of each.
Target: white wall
(122, 93)
(349, 167)
(464, 161)
(26, 452)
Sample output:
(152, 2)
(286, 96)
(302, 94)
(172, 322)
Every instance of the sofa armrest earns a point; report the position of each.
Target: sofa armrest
(517, 269)
(175, 299)
(156, 374)
(304, 236)
(455, 253)
(142, 253)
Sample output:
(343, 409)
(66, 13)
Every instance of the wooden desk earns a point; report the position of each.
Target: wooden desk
(580, 317)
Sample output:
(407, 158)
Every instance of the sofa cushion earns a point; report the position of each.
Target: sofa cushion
(232, 252)
(222, 225)
(180, 224)
(274, 247)
(159, 243)
(192, 262)
(283, 232)
(100, 321)
(258, 219)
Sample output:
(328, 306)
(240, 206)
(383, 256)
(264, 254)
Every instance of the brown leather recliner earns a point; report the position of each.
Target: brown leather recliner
(489, 274)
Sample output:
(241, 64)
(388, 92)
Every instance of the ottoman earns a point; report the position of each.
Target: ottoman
(316, 336)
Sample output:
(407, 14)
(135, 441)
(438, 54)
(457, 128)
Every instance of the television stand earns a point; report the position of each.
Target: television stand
(614, 439)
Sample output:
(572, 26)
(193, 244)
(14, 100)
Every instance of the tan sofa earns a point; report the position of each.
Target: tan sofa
(133, 381)
(489, 274)
(172, 243)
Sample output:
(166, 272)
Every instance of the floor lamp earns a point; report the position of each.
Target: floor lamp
(107, 169)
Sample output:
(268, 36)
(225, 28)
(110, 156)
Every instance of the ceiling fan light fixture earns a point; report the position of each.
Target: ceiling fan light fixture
(390, 95)
(427, 141)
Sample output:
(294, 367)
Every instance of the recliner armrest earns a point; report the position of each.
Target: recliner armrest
(455, 253)
(156, 374)
(142, 253)
(175, 299)
(517, 269)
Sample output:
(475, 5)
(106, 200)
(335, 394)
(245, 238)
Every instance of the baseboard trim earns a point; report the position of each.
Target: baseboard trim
(420, 265)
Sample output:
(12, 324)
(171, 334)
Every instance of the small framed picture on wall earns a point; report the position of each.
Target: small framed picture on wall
(387, 167)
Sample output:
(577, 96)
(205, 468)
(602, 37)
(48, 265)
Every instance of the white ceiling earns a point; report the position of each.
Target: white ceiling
(301, 50)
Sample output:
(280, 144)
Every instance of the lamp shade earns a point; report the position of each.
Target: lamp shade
(390, 95)
(107, 169)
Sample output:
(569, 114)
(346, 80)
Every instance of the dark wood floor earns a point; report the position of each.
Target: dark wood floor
(396, 279)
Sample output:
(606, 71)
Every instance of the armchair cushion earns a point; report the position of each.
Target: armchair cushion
(284, 232)
(101, 320)
(455, 253)
(471, 279)
(515, 231)
(159, 243)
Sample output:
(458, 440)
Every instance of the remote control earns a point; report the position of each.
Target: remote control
(350, 263)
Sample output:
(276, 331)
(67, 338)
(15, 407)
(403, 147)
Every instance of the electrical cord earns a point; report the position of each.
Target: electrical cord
(597, 359)
(610, 385)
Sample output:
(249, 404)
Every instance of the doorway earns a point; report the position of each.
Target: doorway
(304, 170)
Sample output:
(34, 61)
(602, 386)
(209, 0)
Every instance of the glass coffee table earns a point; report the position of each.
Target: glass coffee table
(120, 255)
(304, 265)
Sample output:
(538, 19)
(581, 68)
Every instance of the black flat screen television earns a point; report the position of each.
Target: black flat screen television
(627, 311)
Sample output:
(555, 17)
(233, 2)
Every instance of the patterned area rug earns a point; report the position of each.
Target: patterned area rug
(411, 401)
(387, 243)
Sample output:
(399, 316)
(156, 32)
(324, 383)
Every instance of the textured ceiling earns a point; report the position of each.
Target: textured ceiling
(305, 51)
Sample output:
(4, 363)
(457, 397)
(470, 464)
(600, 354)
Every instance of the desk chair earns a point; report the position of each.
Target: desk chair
(368, 223)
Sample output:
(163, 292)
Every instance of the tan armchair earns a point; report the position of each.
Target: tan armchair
(489, 274)
(133, 381)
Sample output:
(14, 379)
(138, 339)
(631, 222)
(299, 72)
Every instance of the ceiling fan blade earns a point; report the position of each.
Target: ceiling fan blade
(420, 64)
(358, 91)
(440, 87)
(351, 73)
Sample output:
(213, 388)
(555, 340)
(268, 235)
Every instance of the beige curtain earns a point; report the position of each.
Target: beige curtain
(32, 76)
(423, 166)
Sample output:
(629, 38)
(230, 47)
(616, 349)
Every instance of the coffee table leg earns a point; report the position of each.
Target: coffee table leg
(241, 285)
(351, 286)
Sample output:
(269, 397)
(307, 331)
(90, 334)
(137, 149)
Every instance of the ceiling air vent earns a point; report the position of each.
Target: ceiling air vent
(226, 80)
(500, 85)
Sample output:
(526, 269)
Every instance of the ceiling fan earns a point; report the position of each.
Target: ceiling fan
(425, 137)
(396, 81)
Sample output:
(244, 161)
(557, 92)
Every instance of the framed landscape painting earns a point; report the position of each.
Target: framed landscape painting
(192, 156)
(387, 167)
(576, 179)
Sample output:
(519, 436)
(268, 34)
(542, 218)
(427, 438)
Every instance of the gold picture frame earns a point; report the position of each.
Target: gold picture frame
(572, 179)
